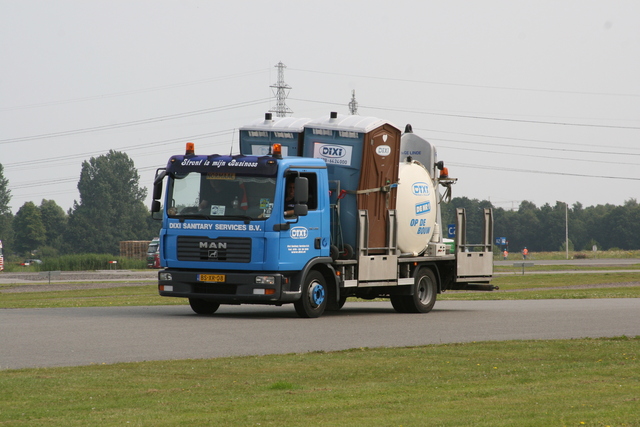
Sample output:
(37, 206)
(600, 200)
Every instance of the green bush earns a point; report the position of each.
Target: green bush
(80, 262)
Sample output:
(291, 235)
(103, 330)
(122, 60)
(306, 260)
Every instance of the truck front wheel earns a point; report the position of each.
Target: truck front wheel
(202, 306)
(314, 296)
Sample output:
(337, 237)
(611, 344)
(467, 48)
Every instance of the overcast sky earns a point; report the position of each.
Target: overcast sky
(525, 100)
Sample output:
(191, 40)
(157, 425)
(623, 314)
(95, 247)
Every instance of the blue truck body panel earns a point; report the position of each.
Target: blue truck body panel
(263, 249)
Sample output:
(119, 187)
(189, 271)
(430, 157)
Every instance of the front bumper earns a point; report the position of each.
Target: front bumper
(237, 287)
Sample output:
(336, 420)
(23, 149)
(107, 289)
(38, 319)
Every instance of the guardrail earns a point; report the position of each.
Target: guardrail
(49, 274)
(523, 265)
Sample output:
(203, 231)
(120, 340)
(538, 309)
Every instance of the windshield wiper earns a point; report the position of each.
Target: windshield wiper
(247, 219)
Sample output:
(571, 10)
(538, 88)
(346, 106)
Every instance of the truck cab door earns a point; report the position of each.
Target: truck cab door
(306, 234)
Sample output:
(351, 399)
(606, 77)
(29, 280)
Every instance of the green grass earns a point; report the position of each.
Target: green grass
(525, 281)
(563, 267)
(75, 262)
(544, 294)
(102, 297)
(587, 382)
(562, 255)
(553, 286)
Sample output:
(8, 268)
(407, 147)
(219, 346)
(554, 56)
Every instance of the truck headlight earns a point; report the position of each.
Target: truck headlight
(265, 280)
(165, 276)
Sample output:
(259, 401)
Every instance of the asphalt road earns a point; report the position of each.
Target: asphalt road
(83, 336)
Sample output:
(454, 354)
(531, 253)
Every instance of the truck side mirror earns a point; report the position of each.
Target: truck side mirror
(157, 184)
(302, 190)
(157, 190)
(300, 210)
(301, 196)
(156, 205)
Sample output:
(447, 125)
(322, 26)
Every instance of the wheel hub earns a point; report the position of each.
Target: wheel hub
(317, 294)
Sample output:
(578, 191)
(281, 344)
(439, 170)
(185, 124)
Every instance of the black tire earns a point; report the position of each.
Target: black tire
(334, 252)
(314, 298)
(203, 306)
(333, 305)
(425, 292)
(399, 303)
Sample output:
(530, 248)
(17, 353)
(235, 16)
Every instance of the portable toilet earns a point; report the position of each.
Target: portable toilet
(362, 156)
(257, 138)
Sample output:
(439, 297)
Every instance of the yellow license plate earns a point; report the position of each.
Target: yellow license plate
(211, 277)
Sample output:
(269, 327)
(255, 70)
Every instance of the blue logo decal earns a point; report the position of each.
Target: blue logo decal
(420, 189)
(423, 208)
(332, 151)
(299, 233)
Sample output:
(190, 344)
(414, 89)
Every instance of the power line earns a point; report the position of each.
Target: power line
(536, 148)
(133, 92)
(525, 139)
(544, 157)
(503, 119)
(127, 148)
(503, 169)
(42, 183)
(465, 116)
(55, 160)
(467, 85)
(136, 122)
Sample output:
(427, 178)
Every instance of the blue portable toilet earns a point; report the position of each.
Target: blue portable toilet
(257, 137)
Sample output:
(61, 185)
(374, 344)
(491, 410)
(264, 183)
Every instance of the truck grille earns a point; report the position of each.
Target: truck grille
(224, 249)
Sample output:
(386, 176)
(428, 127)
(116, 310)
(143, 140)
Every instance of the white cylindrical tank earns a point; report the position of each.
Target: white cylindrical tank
(416, 208)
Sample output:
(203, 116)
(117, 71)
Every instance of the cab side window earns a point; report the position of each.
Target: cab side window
(312, 203)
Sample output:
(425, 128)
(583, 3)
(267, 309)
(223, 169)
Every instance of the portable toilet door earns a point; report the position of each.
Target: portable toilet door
(378, 181)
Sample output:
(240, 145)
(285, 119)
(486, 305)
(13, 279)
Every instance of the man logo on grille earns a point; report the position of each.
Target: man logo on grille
(213, 245)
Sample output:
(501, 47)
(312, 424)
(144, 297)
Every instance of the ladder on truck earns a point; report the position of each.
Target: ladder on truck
(377, 266)
(474, 261)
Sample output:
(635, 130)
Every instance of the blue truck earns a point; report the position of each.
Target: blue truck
(351, 210)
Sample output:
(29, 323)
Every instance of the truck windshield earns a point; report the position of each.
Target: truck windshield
(212, 195)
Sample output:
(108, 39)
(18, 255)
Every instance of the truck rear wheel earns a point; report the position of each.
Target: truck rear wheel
(314, 296)
(425, 292)
(203, 306)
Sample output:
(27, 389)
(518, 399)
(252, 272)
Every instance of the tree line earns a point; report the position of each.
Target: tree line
(111, 209)
(543, 229)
